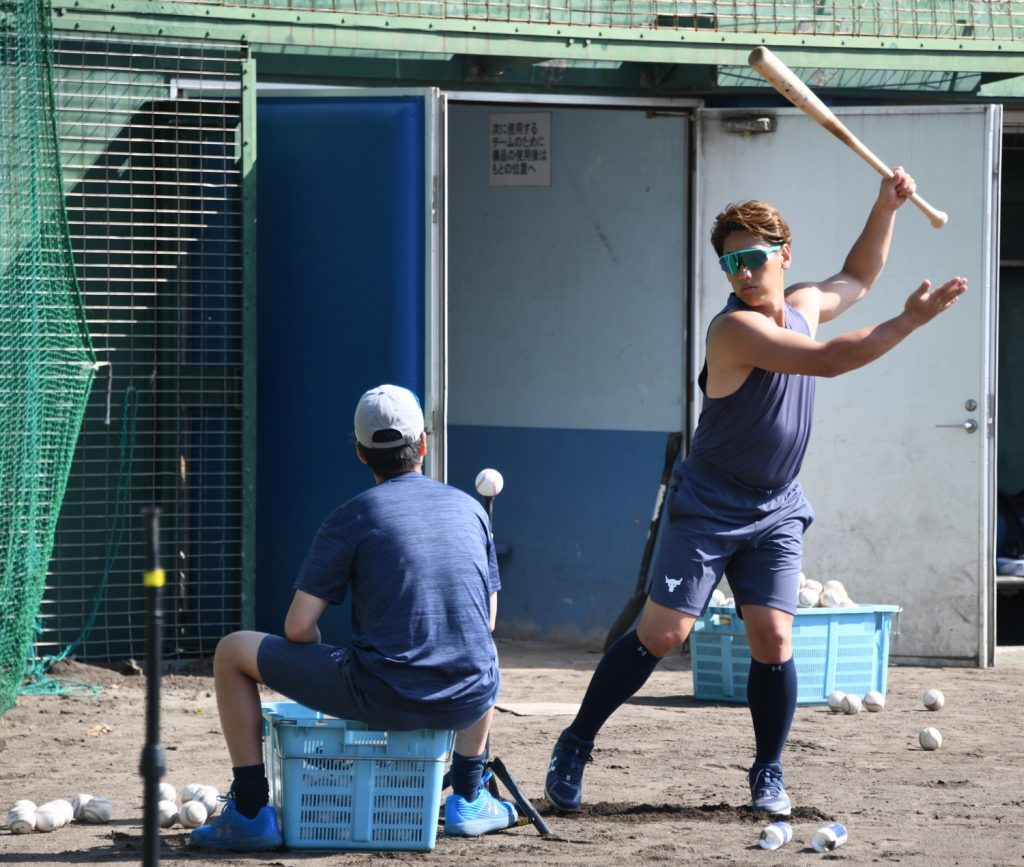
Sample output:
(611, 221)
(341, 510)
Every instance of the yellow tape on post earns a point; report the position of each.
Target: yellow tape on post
(153, 578)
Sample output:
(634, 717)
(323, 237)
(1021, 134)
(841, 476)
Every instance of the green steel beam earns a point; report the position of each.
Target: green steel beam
(316, 33)
(247, 154)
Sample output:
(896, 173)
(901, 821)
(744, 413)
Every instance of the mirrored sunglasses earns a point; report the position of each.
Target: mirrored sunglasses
(751, 259)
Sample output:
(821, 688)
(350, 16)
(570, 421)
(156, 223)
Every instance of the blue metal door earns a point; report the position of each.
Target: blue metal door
(348, 299)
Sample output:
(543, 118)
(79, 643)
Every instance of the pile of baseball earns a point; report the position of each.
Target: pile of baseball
(25, 817)
(199, 802)
(831, 594)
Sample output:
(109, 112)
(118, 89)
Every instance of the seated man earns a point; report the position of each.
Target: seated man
(419, 560)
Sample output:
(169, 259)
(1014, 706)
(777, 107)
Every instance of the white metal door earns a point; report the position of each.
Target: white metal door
(903, 491)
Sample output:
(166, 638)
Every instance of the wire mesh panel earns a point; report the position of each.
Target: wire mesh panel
(959, 19)
(148, 138)
(46, 362)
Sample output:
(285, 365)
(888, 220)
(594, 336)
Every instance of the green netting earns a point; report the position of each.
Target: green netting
(46, 358)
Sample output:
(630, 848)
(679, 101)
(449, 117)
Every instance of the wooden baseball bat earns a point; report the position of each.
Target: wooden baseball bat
(782, 78)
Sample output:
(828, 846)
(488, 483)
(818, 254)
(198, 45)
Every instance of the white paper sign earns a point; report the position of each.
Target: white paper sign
(520, 149)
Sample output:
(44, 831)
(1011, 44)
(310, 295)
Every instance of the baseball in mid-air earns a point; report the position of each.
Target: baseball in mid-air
(933, 699)
(874, 701)
(851, 703)
(930, 738)
(489, 483)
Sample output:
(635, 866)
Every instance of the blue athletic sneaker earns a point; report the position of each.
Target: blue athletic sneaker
(233, 832)
(563, 785)
(768, 790)
(464, 818)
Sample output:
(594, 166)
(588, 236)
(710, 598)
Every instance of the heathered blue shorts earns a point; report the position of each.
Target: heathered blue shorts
(322, 677)
(718, 526)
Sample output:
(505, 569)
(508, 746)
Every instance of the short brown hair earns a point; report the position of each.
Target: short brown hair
(760, 218)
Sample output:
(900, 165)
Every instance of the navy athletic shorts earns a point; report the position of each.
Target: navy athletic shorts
(718, 526)
(321, 677)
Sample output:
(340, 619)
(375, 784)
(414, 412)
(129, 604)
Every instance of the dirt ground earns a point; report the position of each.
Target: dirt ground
(667, 783)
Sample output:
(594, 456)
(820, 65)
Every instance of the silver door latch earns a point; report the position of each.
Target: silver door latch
(970, 425)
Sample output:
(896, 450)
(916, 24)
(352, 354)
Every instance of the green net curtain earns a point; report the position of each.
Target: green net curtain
(46, 358)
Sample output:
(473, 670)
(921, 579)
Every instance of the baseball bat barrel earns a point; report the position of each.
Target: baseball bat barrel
(152, 766)
(786, 82)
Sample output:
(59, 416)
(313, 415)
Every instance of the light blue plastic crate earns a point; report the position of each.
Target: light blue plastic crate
(845, 649)
(338, 784)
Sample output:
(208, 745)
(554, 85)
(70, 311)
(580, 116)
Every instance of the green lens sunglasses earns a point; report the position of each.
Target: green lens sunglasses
(752, 258)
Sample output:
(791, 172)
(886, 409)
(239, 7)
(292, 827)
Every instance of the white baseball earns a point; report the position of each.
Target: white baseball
(851, 703)
(192, 814)
(808, 597)
(835, 701)
(77, 802)
(168, 811)
(50, 817)
(874, 701)
(802, 579)
(835, 585)
(191, 791)
(98, 811)
(209, 797)
(168, 793)
(489, 483)
(930, 738)
(933, 699)
(831, 598)
(813, 585)
(22, 820)
(717, 597)
(729, 602)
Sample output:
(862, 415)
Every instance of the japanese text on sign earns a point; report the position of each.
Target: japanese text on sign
(520, 149)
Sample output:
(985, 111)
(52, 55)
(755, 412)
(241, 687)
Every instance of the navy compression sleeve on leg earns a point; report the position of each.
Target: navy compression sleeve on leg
(771, 696)
(623, 669)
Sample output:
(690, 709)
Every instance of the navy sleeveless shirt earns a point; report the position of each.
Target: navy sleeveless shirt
(758, 434)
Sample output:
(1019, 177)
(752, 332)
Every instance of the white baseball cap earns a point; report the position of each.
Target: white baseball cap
(388, 407)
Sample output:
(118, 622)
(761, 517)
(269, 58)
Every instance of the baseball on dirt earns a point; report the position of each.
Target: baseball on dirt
(98, 811)
(489, 483)
(192, 814)
(168, 792)
(22, 818)
(933, 699)
(51, 816)
(208, 796)
(874, 701)
(168, 812)
(930, 738)
(835, 701)
(851, 703)
(77, 803)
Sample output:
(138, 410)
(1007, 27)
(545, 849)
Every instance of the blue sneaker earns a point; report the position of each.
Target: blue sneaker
(235, 833)
(464, 818)
(563, 785)
(768, 790)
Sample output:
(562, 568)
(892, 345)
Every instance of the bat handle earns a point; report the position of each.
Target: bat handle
(936, 217)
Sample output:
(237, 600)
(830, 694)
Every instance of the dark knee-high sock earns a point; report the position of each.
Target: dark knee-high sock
(251, 789)
(623, 669)
(771, 695)
(466, 773)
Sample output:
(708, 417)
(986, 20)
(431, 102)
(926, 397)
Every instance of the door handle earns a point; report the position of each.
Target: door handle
(970, 426)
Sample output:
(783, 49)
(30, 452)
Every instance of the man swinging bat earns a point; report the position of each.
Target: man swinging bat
(734, 505)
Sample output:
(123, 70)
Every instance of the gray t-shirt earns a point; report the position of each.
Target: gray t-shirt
(419, 559)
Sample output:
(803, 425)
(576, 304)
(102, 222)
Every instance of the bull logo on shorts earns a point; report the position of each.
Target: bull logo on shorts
(672, 583)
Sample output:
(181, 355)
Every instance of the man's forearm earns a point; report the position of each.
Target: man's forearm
(869, 252)
(856, 348)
